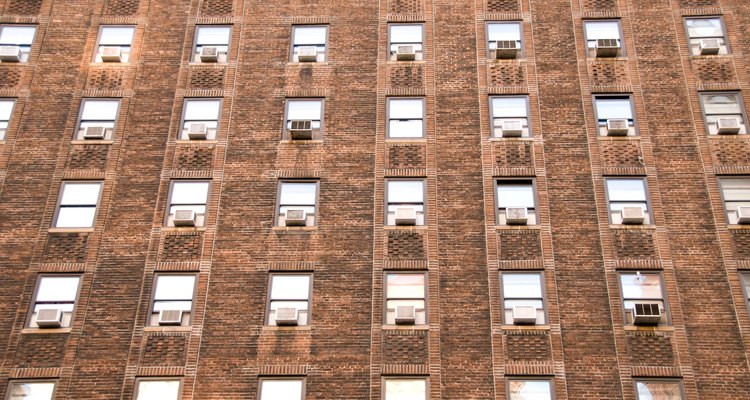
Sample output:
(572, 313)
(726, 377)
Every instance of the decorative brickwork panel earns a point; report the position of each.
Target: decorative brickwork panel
(514, 155)
(205, 78)
(698, 3)
(734, 153)
(527, 346)
(600, 5)
(502, 6)
(406, 245)
(519, 245)
(195, 158)
(741, 243)
(406, 76)
(40, 351)
(410, 156)
(608, 73)
(121, 7)
(9, 77)
(507, 74)
(104, 79)
(633, 243)
(405, 6)
(89, 156)
(713, 70)
(216, 7)
(165, 349)
(24, 7)
(650, 349)
(621, 153)
(405, 347)
(66, 247)
(182, 247)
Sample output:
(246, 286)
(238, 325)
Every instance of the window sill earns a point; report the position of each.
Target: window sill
(618, 58)
(70, 230)
(517, 227)
(736, 136)
(656, 328)
(735, 227)
(77, 141)
(511, 139)
(618, 138)
(406, 140)
(295, 228)
(184, 229)
(187, 328)
(191, 63)
(43, 331)
(405, 227)
(633, 226)
(111, 63)
(708, 56)
(396, 62)
(389, 327)
(298, 63)
(193, 142)
(301, 142)
(507, 327)
(273, 328)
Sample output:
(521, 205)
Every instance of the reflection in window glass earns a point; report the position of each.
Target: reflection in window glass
(119, 37)
(281, 389)
(402, 193)
(298, 196)
(405, 290)
(529, 390)
(724, 108)
(409, 35)
(626, 192)
(289, 291)
(31, 390)
(18, 35)
(405, 118)
(640, 287)
(659, 390)
(78, 203)
(211, 36)
(189, 195)
(405, 389)
(173, 292)
(158, 390)
(706, 36)
(522, 289)
(309, 40)
(6, 109)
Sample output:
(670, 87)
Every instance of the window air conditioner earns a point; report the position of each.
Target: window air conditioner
(516, 215)
(728, 125)
(633, 215)
(209, 54)
(523, 315)
(49, 317)
(709, 46)
(607, 47)
(300, 129)
(511, 127)
(10, 53)
(307, 54)
(506, 49)
(94, 133)
(405, 53)
(197, 131)
(646, 314)
(406, 315)
(170, 317)
(295, 218)
(743, 215)
(406, 216)
(111, 54)
(287, 316)
(184, 218)
(617, 127)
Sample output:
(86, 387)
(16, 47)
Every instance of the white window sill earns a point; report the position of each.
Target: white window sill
(295, 228)
(389, 327)
(184, 229)
(70, 230)
(405, 227)
(193, 142)
(187, 328)
(272, 328)
(617, 138)
(656, 328)
(529, 327)
(46, 330)
(517, 227)
(633, 226)
(76, 141)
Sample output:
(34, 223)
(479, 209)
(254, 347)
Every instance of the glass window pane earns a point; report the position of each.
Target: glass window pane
(80, 194)
(298, 193)
(77, 217)
(530, 390)
(310, 35)
(189, 192)
(19, 35)
(100, 109)
(201, 110)
(405, 129)
(405, 389)
(515, 195)
(613, 108)
(626, 190)
(32, 391)
(290, 389)
(511, 31)
(602, 30)
(405, 191)
(509, 107)
(173, 305)
(58, 288)
(522, 285)
(736, 189)
(174, 287)
(408, 286)
(704, 27)
(121, 35)
(659, 390)
(405, 108)
(721, 104)
(6, 108)
(304, 109)
(746, 283)
(406, 33)
(213, 35)
(158, 390)
(645, 286)
(290, 287)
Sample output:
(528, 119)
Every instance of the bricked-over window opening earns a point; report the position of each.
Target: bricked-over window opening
(281, 388)
(309, 43)
(58, 292)
(97, 113)
(37, 390)
(158, 389)
(405, 118)
(522, 289)
(20, 36)
(529, 388)
(408, 39)
(172, 293)
(723, 113)
(642, 288)
(706, 36)
(509, 116)
(666, 389)
(405, 388)
(405, 290)
(77, 205)
(735, 193)
(110, 39)
(610, 110)
(297, 199)
(503, 31)
(607, 31)
(289, 291)
(211, 37)
(6, 110)
(200, 119)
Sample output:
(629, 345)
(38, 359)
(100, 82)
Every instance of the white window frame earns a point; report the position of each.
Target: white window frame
(109, 124)
(312, 217)
(61, 206)
(730, 205)
(222, 48)
(394, 42)
(5, 119)
(387, 379)
(645, 381)
(200, 218)
(187, 314)
(694, 41)
(390, 216)
(422, 316)
(25, 46)
(533, 213)
(298, 41)
(392, 120)
(524, 379)
(125, 49)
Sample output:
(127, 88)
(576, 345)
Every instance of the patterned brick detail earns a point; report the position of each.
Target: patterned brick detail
(406, 76)
(405, 245)
(216, 7)
(507, 74)
(619, 153)
(650, 349)
(66, 247)
(165, 349)
(24, 7)
(405, 6)
(713, 70)
(194, 158)
(741, 243)
(121, 7)
(527, 346)
(633, 243)
(603, 5)
(405, 347)
(698, 3)
(514, 155)
(88, 156)
(608, 73)
(204, 78)
(519, 245)
(731, 152)
(502, 6)
(9, 77)
(406, 156)
(182, 247)
(39, 351)
(104, 79)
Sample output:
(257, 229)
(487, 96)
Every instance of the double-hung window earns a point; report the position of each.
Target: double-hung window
(304, 119)
(706, 36)
(297, 203)
(510, 116)
(17, 41)
(603, 39)
(529, 389)
(405, 42)
(200, 119)
(643, 298)
(614, 115)
(405, 202)
(405, 388)
(405, 298)
(523, 298)
(211, 43)
(77, 205)
(282, 388)
(54, 301)
(624, 196)
(289, 299)
(6, 110)
(659, 389)
(735, 193)
(97, 119)
(504, 40)
(745, 278)
(172, 301)
(516, 203)
(309, 43)
(187, 203)
(405, 118)
(157, 389)
(114, 43)
(31, 390)
(723, 113)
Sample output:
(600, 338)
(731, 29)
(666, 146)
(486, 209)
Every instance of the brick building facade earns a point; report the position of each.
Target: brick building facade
(406, 177)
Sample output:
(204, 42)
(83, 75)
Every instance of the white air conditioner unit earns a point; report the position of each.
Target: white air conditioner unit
(209, 54)
(300, 129)
(406, 315)
(49, 317)
(516, 216)
(506, 49)
(10, 53)
(184, 218)
(406, 216)
(405, 53)
(617, 127)
(511, 127)
(728, 125)
(295, 218)
(307, 54)
(197, 131)
(94, 133)
(111, 54)
(523, 315)
(633, 215)
(646, 314)
(287, 316)
(709, 46)
(607, 47)
(170, 317)
(743, 215)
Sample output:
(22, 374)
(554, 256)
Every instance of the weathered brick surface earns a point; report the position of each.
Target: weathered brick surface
(121, 7)
(194, 158)
(405, 6)
(105, 79)
(39, 351)
(633, 244)
(741, 240)
(406, 76)
(502, 6)
(731, 153)
(93, 157)
(182, 247)
(9, 78)
(507, 74)
(519, 245)
(600, 5)
(621, 153)
(406, 156)
(66, 247)
(216, 7)
(514, 155)
(207, 78)
(405, 347)
(650, 349)
(714, 71)
(406, 245)
(164, 349)
(24, 7)
(528, 346)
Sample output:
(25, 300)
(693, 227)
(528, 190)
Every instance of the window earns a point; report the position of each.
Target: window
(520, 291)
(642, 288)
(172, 300)
(405, 42)
(735, 192)
(200, 119)
(31, 390)
(157, 389)
(114, 44)
(6, 110)
(97, 119)
(289, 291)
(510, 116)
(405, 195)
(610, 112)
(723, 113)
(513, 197)
(603, 39)
(55, 293)
(309, 43)
(658, 390)
(188, 196)
(211, 43)
(506, 32)
(405, 118)
(529, 389)
(77, 204)
(21, 36)
(304, 119)
(405, 290)
(745, 278)
(706, 36)
(405, 388)
(627, 193)
(297, 203)
(282, 389)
